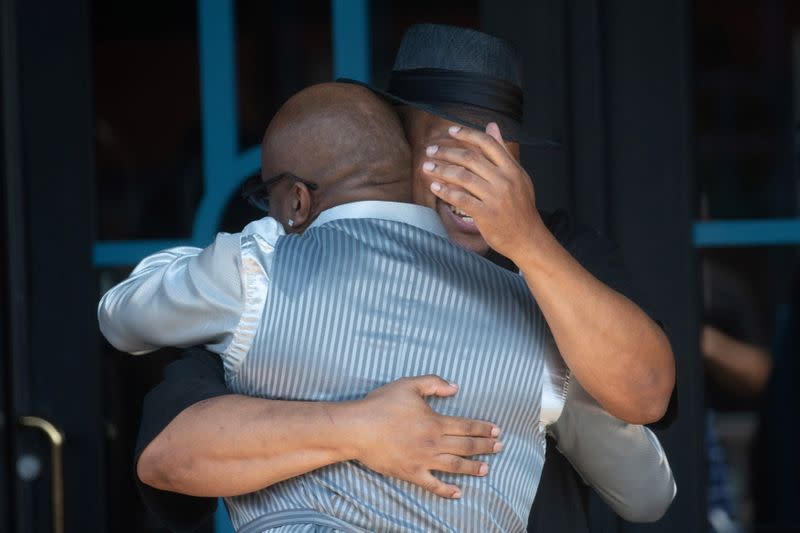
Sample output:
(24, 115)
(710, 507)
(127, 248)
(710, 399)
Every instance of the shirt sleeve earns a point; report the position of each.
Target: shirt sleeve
(197, 376)
(187, 296)
(555, 383)
(624, 463)
(602, 258)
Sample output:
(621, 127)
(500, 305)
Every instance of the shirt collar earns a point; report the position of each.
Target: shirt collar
(412, 214)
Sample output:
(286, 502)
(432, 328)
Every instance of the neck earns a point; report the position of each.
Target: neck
(399, 191)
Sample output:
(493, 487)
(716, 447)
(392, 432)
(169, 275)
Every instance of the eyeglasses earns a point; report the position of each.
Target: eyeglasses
(256, 191)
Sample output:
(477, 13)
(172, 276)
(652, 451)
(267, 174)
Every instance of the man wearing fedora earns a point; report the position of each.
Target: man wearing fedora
(444, 79)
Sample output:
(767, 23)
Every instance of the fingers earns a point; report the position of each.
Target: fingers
(493, 130)
(455, 174)
(467, 427)
(432, 484)
(454, 464)
(471, 160)
(457, 197)
(469, 446)
(488, 145)
(432, 386)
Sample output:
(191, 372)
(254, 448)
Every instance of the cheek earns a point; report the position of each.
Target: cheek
(278, 214)
(279, 208)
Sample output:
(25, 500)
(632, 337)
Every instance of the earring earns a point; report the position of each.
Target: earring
(290, 222)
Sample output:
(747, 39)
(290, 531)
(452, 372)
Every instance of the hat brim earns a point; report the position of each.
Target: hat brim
(470, 116)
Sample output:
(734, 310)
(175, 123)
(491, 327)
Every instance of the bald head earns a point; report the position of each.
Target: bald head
(342, 137)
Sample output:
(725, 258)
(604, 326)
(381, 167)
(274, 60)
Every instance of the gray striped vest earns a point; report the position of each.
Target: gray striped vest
(356, 303)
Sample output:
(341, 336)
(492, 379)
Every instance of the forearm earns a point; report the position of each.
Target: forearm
(624, 463)
(233, 444)
(622, 358)
(742, 367)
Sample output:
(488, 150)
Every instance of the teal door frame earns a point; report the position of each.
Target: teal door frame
(224, 165)
(740, 233)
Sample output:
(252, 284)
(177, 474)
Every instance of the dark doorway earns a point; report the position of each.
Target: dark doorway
(52, 397)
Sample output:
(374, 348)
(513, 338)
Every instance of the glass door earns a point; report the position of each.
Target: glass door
(747, 88)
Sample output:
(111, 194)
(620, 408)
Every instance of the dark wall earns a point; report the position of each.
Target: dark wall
(610, 80)
(12, 273)
(5, 435)
(55, 365)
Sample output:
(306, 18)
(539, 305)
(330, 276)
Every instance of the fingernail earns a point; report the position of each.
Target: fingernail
(457, 494)
(498, 447)
(436, 186)
(454, 385)
(428, 166)
(454, 129)
(484, 469)
(495, 431)
(430, 150)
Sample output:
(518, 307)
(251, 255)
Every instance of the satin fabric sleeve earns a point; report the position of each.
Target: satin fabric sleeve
(624, 463)
(555, 383)
(189, 296)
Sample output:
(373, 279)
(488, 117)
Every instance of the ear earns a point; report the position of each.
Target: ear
(301, 206)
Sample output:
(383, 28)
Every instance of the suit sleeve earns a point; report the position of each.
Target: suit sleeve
(197, 376)
(624, 463)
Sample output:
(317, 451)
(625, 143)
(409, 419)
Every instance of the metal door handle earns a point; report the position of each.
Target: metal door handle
(56, 439)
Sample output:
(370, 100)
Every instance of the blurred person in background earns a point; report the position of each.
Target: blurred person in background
(738, 366)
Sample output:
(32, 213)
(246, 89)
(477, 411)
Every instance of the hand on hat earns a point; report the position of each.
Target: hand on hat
(484, 180)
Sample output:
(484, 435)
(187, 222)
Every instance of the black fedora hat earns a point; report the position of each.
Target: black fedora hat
(461, 75)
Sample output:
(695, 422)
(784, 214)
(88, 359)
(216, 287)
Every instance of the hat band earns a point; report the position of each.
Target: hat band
(468, 88)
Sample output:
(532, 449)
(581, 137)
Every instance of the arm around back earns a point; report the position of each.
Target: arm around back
(197, 376)
(198, 439)
(221, 444)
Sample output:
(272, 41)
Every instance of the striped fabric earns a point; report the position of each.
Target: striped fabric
(356, 303)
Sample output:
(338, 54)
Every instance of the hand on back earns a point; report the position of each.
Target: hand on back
(402, 437)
